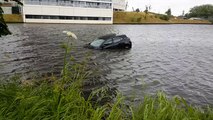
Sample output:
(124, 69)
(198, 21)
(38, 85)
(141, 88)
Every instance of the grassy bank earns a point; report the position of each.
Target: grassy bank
(54, 99)
(150, 18)
(13, 18)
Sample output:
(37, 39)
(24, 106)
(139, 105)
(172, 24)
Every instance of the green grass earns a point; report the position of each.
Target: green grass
(42, 102)
(53, 100)
(162, 108)
(61, 98)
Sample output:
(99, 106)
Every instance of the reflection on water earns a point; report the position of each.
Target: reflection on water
(177, 59)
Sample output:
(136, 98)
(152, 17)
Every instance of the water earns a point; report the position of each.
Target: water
(177, 59)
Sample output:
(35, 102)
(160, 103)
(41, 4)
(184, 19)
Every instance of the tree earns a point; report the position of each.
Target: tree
(3, 26)
(204, 11)
(137, 10)
(146, 10)
(169, 12)
(150, 7)
(183, 13)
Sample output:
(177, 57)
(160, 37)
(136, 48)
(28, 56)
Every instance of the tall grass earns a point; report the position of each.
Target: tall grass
(52, 100)
(44, 101)
(60, 98)
(162, 108)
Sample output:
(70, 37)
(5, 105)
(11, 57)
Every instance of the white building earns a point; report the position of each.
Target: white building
(10, 7)
(68, 11)
(119, 5)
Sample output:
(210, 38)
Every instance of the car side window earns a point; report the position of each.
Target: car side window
(107, 42)
(117, 39)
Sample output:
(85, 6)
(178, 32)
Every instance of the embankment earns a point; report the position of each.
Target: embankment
(13, 18)
(150, 18)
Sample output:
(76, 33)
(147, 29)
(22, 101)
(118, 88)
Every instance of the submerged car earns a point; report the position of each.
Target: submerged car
(110, 41)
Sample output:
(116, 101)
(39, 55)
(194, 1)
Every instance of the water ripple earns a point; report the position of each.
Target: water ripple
(177, 59)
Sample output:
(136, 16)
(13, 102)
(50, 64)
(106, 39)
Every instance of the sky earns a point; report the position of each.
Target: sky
(160, 6)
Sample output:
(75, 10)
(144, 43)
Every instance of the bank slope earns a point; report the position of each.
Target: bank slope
(150, 18)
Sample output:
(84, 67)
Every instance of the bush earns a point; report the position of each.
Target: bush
(164, 17)
(136, 19)
(139, 19)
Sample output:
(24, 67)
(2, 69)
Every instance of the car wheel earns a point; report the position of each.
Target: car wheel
(128, 46)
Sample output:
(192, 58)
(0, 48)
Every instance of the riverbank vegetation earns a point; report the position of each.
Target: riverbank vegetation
(3, 26)
(151, 18)
(202, 11)
(62, 98)
(202, 14)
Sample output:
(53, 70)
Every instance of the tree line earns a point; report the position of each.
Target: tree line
(202, 11)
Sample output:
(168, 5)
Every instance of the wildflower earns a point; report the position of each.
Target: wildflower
(70, 34)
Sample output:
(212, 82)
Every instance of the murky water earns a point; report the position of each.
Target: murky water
(177, 59)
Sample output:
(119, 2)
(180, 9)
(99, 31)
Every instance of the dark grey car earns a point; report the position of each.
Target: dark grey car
(111, 41)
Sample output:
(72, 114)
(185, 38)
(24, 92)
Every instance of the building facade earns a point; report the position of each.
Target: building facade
(68, 11)
(10, 7)
(119, 5)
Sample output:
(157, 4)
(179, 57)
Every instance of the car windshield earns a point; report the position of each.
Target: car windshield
(97, 42)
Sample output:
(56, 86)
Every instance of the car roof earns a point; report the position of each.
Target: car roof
(122, 36)
(107, 36)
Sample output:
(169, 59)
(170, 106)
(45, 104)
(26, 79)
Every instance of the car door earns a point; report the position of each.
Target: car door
(117, 42)
(108, 44)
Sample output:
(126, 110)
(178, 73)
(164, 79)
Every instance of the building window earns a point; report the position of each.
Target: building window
(16, 10)
(66, 17)
(71, 3)
(45, 17)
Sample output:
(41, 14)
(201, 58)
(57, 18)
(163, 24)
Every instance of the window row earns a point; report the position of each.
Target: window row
(66, 17)
(84, 4)
(104, 0)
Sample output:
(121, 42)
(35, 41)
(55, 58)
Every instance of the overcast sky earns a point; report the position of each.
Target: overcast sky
(160, 6)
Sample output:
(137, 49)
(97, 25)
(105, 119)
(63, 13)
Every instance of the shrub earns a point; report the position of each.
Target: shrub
(136, 19)
(132, 19)
(139, 19)
(164, 17)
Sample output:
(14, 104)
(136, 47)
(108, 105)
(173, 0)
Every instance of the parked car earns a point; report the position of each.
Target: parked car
(110, 41)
